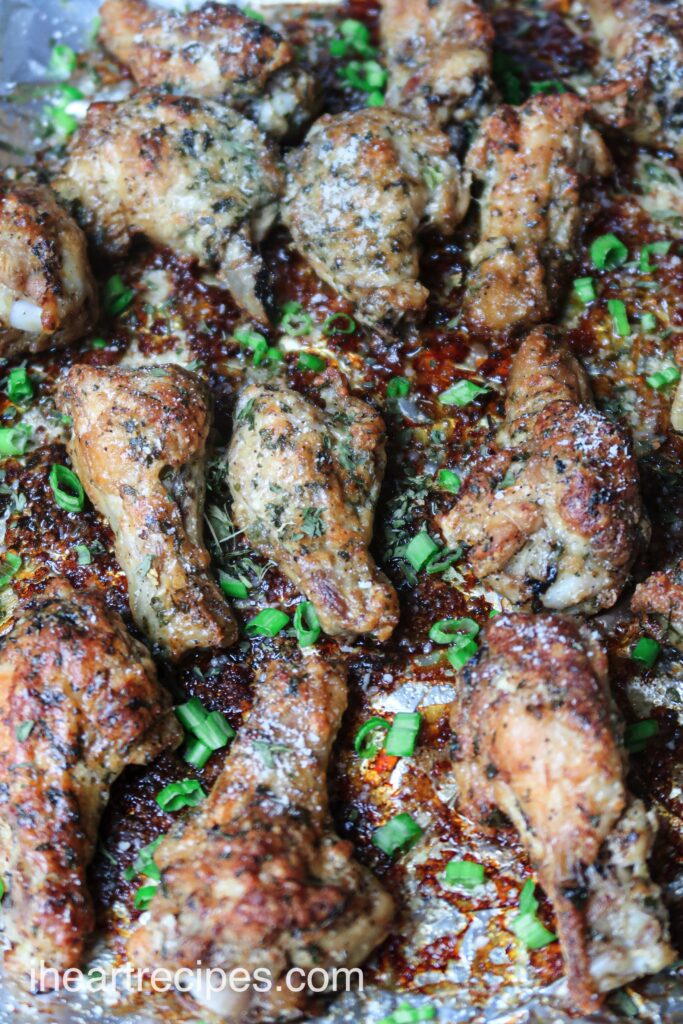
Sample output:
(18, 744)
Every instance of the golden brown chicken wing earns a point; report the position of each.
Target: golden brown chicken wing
(187, 173)
(257, 877)
(537, 738)
(305, 480)
(216, 51)
(358, 192)
(553, 514)
(138, 446)
(47, 292)
(532, 162)
(80, 701)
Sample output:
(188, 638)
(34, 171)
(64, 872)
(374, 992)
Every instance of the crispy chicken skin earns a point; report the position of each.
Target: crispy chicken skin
(439, 59)
(553, 514)
(138, 446)
(305, 481)
(537, 738)
(47, 291)
(660, 598)
(358, 192)
(187, 173)
(642, 92)
(532, 161)
(216, 52)
(80, 701)
(257, 877)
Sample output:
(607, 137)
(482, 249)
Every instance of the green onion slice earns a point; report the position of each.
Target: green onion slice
(67, 488)
(232, 587)
(178, 795)
(83, 555)
(449, 481)
(662, 378)
(365, 742)
(407, 1014)
(306, 624)
(637, 734)
(196, 753)
(646, 650)
(295, 320)
(462, 393)
(309, 361)
(585, 289)
(9, 567)
(608, 252)
(648, 322)
(268, 622)
(19, 386)
(466, 873)
(531, 931)
(402, 737)
(549, 86)
(656, 248)
(420, 550)
(445, 631)
(399, 833)
(117, 296)
(63, 60)
(398, 387)
(339, 323)
(617, 311)
(144, 896)
(460, 654)
(13, 441)
(444, 561)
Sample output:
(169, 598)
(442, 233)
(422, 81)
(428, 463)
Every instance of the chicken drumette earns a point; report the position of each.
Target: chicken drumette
(80, 701)
(554, 513)
(537, 738)
(216, 51)
(305, 480)
(358, 192)
(185, 172)
(47, 292)
(439, 59)
(138, 446)
(532, 161)
(642, 92)
(257, 877)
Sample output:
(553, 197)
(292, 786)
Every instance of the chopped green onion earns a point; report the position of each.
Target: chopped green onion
(63, 124)
(144, 896)
(551, 85)
(648, 322)
(365, 741)
(608, 252)
(254, 15)
(306, 624)
(662, 378)
(215, 731)
(23, 731)
(268, 622)
(63, 60)
(466, 873)
(98, 343)
(460, 654)
(407, 1014)
(400, 833)
(444, 561)
(398, 387)
(339, 47)
(646, 650)
(83, 554)
(2, 889)
(637, 734)
(117, 296)
(617, 311)
(658, 248)
(355, 31)
(531, 931)
(585, 289)
(462, 393)
(13, 441)
(69, 94)
(67, 488)
(232, 587)
(19, 387)
(375, 99)
(449, 481)
(309, 361)
(339, 323)
(211, 729)
(178, 795)
(402, 737)
(295, 321)
(255, 342)
(142, 863)
(368, 76)
(196, 753)
(192, 714)
(10, 566)
(420, 550)
(446, 630)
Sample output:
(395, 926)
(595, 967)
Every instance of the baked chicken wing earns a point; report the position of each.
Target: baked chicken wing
(439, 59)
(305, 480)
(553, 515)
(47, 292)
(660, 598)
(358, 191)
(185, 172)
(537, 738)
(257, 877)
(80, 701)
(532, 161)
(642, 92)
(138, 446)
(215, 51)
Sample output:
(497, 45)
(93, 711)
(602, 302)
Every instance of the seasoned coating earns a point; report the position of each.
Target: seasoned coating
(660, 598)
(257, 877)
(554, 513)
(47, 292)
(537, 738)
(187, 173)
(439, 59)
(358, 192)
(304, 481)
(642, 91)
(215, 51)
(80, 701)
(532, 161)
(138, 445)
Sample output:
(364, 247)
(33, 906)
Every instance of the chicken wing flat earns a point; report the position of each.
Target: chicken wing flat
(537, 738)
(439, 59)
(358, 192)
(80, 701)
(47, 291)
(257, 877)
(553, 514)
(138, 446)
(216, 51)
(304, 481)
(187, 173)
(642, 92)
(532, 162)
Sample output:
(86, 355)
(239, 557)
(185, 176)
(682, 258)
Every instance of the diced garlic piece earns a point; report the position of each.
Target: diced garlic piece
(26, 316)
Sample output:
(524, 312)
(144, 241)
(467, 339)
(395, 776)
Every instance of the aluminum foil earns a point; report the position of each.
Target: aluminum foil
(504, 990)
